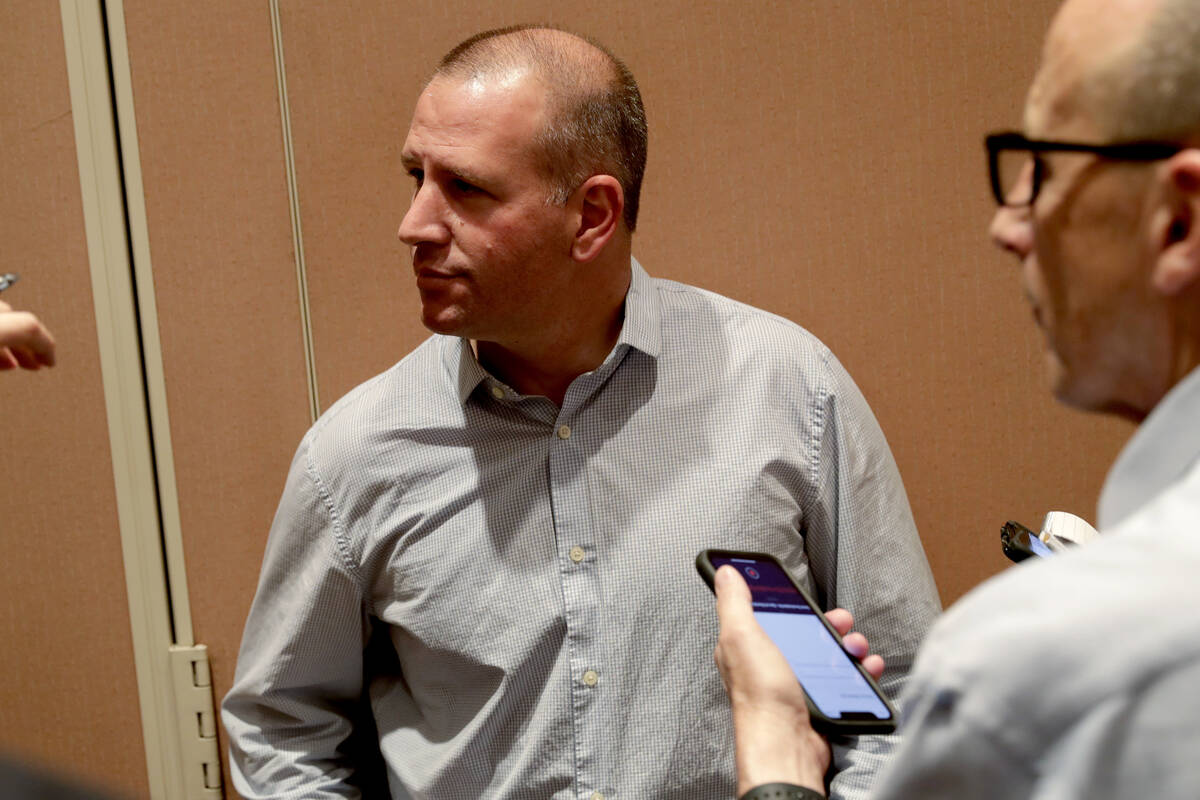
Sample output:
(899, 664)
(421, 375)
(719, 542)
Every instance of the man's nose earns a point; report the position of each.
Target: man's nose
(1012, 230)
(424, 221)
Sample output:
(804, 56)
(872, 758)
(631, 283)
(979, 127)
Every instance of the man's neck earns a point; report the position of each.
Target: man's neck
(547, 368)
(572, 339)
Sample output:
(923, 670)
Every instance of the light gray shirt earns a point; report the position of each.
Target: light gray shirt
(1076, 677)
(530, 568)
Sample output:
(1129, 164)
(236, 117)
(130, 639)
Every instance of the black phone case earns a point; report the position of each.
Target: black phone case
(1012, 541)
(820, 723)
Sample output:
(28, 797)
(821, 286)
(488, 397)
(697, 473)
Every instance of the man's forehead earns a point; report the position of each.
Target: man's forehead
(500, 79)
(478, 129)
(1050, 102)
(508, 107)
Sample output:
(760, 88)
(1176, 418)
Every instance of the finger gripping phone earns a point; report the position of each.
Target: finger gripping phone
(843, 700)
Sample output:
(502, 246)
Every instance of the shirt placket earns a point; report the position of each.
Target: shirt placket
(574, 532)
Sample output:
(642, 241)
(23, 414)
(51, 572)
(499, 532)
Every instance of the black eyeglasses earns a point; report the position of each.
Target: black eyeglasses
(1010, 154)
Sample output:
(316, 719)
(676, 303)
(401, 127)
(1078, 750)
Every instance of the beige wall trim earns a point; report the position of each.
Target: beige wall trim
(285, 114)
(131, 368)
(152, 359)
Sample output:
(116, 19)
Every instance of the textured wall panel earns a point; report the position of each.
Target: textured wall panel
(68, 699)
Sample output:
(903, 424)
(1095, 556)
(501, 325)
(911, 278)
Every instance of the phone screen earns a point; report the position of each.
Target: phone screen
(828, 674)
(1039, 547)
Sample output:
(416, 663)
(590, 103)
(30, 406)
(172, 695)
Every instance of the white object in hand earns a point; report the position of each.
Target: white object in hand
(1066, 527)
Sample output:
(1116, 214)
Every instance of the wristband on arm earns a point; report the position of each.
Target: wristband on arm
(781, 791)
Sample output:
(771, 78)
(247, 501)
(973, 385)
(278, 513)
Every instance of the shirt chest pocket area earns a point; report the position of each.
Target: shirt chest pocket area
(461, 611)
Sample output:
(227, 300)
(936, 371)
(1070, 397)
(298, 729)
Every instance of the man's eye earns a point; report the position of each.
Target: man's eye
(462, 187)
(417, 175)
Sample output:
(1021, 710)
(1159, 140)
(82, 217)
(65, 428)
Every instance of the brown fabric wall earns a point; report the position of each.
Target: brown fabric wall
(213, 173)
(68, 693)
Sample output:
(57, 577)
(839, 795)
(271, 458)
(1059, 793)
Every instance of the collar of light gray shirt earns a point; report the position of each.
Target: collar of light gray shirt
(1166, 444)
(641, 330)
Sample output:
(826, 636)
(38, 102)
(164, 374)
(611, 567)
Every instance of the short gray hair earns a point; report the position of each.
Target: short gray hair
(596, 125)
(1151, 90)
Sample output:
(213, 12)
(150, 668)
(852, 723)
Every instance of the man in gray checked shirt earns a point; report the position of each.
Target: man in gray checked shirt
(512, 510)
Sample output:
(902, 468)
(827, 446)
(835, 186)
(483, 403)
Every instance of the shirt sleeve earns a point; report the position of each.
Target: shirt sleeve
(865, 555)
(943, 755)
(299, 671)
(1026, 736)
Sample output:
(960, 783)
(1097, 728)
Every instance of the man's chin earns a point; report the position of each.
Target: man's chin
(1074, 392)
(447, 324)
(1062, 387)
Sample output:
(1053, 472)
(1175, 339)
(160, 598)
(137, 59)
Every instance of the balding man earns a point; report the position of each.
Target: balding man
(514, 508)
(1078, 676)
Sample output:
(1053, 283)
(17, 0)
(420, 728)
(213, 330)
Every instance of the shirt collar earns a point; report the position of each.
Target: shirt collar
(462, 365)
(640, 330)
(1160, 452)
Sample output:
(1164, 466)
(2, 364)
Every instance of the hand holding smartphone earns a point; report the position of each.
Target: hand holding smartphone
(842, 698)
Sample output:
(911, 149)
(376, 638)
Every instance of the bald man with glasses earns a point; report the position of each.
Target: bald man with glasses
(1077, 676)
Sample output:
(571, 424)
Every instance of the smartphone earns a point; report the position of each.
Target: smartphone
(843, 700)
(1020, 543)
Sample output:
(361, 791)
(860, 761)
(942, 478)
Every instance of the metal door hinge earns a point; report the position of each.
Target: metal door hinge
(197, 716)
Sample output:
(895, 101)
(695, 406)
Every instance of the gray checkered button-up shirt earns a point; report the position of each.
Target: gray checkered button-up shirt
(532, 566)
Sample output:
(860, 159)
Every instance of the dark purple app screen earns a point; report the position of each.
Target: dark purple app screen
(828, 675)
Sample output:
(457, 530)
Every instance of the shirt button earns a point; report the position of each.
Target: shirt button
(497, 392)
(564, 431)
(577, 554)
(590, 678)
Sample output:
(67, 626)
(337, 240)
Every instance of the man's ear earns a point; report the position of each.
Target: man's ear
(601, 204)
(1177, 225)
